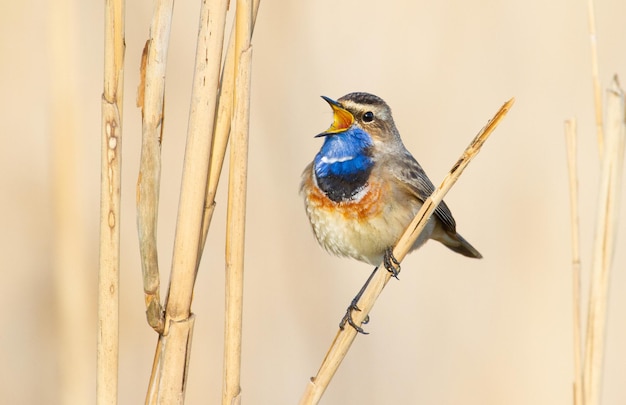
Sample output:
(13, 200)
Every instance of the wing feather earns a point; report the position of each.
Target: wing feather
(409, 172)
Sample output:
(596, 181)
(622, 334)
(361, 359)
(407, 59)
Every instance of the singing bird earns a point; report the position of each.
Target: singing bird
(364, 187)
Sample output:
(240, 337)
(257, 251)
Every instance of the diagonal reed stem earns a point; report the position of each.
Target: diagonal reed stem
(344, 338)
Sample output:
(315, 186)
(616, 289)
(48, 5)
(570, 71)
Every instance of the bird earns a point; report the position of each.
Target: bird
(364, 187)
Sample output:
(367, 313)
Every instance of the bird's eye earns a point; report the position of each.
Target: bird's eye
(368, 116)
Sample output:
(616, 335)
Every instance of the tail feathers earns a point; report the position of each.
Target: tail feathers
(458, 244)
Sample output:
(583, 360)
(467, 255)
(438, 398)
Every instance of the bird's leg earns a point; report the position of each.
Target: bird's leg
(347, 318)
(391, 263)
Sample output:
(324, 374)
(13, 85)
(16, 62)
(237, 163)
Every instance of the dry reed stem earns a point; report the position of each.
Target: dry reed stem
(597, 88)
(72, 289)
(570, 137)
(236, 212)
(344, 338)
(222, 127)
(110, 193)
(168, 380)
(604, 243)
(169, 370)
(150, 99)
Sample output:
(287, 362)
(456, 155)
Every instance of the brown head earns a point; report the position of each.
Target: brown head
(368, 112)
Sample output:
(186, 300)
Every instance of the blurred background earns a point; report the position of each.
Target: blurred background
(452, 330)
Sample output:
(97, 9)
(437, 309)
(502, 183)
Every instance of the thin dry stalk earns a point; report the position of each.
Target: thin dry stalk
(236, 212)
(71, 285)
(150, 99)
(168, 380)
(344, 338)
(597, 88)
(222, 127)
(604, 243)
(570, 137)
(110, 193)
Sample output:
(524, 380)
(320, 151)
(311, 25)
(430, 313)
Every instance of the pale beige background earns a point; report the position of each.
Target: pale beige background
(452, 330)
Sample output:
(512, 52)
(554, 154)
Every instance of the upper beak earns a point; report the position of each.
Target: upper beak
(342, 118)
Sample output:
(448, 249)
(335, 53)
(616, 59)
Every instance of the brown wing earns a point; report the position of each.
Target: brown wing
(410, 173)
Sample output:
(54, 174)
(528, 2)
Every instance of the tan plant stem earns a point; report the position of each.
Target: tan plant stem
(151, 101)
(570, 137)
(604, 243)
(597, 88)
(222, 127)
(73, 289)
(110, 193)
(236, 212)
(344, 338)
(167, 383)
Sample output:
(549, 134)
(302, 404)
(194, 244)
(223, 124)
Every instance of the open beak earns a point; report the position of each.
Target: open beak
(342, 118)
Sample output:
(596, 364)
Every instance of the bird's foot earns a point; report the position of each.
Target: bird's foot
(347, 318)
(391, 263)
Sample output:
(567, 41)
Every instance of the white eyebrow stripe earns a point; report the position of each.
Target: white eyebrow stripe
(329, 161)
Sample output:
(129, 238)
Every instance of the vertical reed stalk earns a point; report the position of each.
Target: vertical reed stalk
(236, 212)
(570, 137)
(71, 286)
(110, 193)
(169, 375)
(597, 88)
(222, 126)
(604, 243)
(150, 100)
(344, 338)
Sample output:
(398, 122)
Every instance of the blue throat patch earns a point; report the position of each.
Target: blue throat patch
(343, 165)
